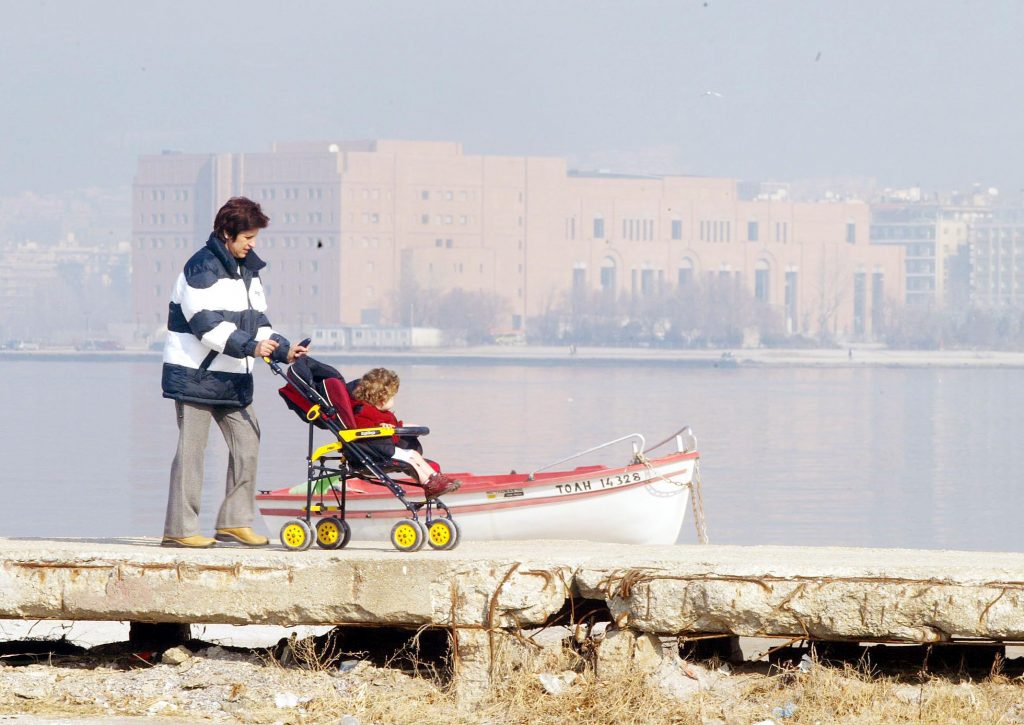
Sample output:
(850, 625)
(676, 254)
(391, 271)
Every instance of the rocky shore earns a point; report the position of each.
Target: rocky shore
(563, 679)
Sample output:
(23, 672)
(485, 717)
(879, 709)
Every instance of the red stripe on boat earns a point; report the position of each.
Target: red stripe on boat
(456, 508)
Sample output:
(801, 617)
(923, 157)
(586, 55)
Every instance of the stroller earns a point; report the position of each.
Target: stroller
(318, 394)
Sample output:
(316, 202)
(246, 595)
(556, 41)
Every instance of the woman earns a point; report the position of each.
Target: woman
(216, 326)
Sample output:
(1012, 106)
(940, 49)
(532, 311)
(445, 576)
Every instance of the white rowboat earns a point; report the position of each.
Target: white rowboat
(643, 502)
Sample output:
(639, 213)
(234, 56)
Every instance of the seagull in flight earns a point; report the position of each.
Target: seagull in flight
(716, 94)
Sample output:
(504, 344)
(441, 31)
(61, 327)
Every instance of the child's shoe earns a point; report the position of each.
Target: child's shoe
(438, 485)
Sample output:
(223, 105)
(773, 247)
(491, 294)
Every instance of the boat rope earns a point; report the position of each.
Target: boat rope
(696, 493)
(697, 502)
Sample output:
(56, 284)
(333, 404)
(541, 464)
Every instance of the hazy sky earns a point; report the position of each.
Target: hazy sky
(906, 91)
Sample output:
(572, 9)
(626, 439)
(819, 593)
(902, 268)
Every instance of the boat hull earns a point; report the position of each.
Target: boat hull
(636, 504)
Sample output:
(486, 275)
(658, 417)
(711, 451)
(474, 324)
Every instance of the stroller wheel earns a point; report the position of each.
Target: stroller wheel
(332, 533)
(296, 535)
(408, 535)
(443, 534)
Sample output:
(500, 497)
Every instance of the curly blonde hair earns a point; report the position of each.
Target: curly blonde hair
(377, 387)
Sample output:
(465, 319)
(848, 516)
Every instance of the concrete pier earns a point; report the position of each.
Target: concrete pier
(484, 588)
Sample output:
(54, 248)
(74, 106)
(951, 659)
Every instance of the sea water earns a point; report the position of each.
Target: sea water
(872, 456)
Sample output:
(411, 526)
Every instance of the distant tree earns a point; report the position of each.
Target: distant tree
(475, 313)
(712, 312)
(915, 328)
(472, 314)
(830, 287)
(415, 305)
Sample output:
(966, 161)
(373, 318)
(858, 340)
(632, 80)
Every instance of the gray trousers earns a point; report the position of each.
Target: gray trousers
(241, 431)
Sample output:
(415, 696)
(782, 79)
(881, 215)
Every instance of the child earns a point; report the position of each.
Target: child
(373, 400)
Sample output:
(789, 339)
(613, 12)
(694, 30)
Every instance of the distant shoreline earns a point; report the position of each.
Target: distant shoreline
(607, 356)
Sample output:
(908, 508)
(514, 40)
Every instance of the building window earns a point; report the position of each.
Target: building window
(647, 282)
(685, 273)
(851, 233)
(448, 243)
(425, 219)
(877, 303)
(751, 231)
(438, 242)
(859, 301)
(579, 278)
(598, 227)
(761, 281)
(677, 228)
(608, 275)
(425, 195)
(790, 301)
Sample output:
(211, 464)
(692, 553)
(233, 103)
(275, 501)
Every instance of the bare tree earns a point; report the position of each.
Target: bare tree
(831, 289)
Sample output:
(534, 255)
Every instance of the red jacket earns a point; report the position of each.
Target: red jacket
(368, 416)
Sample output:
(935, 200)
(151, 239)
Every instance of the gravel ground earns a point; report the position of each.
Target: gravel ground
(212, 684)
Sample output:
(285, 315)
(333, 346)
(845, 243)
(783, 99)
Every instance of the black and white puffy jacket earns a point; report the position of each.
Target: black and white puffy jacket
(216, 317)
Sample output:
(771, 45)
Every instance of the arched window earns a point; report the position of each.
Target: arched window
(685, 272)
(608, 274)
(762, 280)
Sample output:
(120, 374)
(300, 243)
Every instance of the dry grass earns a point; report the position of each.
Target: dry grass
(385, 695)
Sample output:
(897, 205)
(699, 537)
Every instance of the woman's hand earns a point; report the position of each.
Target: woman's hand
(296, 351)
(265, 348)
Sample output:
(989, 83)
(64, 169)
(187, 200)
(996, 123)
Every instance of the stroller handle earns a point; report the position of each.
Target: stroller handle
(412, 430)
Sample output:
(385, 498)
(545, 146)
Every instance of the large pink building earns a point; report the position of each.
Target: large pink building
(351, 222)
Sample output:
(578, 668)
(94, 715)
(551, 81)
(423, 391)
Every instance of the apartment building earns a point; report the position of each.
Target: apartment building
(354, 222)
(48, 291)
(934, 237)
(996, 251)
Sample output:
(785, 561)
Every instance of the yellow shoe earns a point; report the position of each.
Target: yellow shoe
(195, 541)
(243, 535)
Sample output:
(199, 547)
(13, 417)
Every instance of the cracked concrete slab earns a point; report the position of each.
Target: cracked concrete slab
(825, 593)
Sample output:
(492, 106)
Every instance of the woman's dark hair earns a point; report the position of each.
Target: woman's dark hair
(238, 215)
